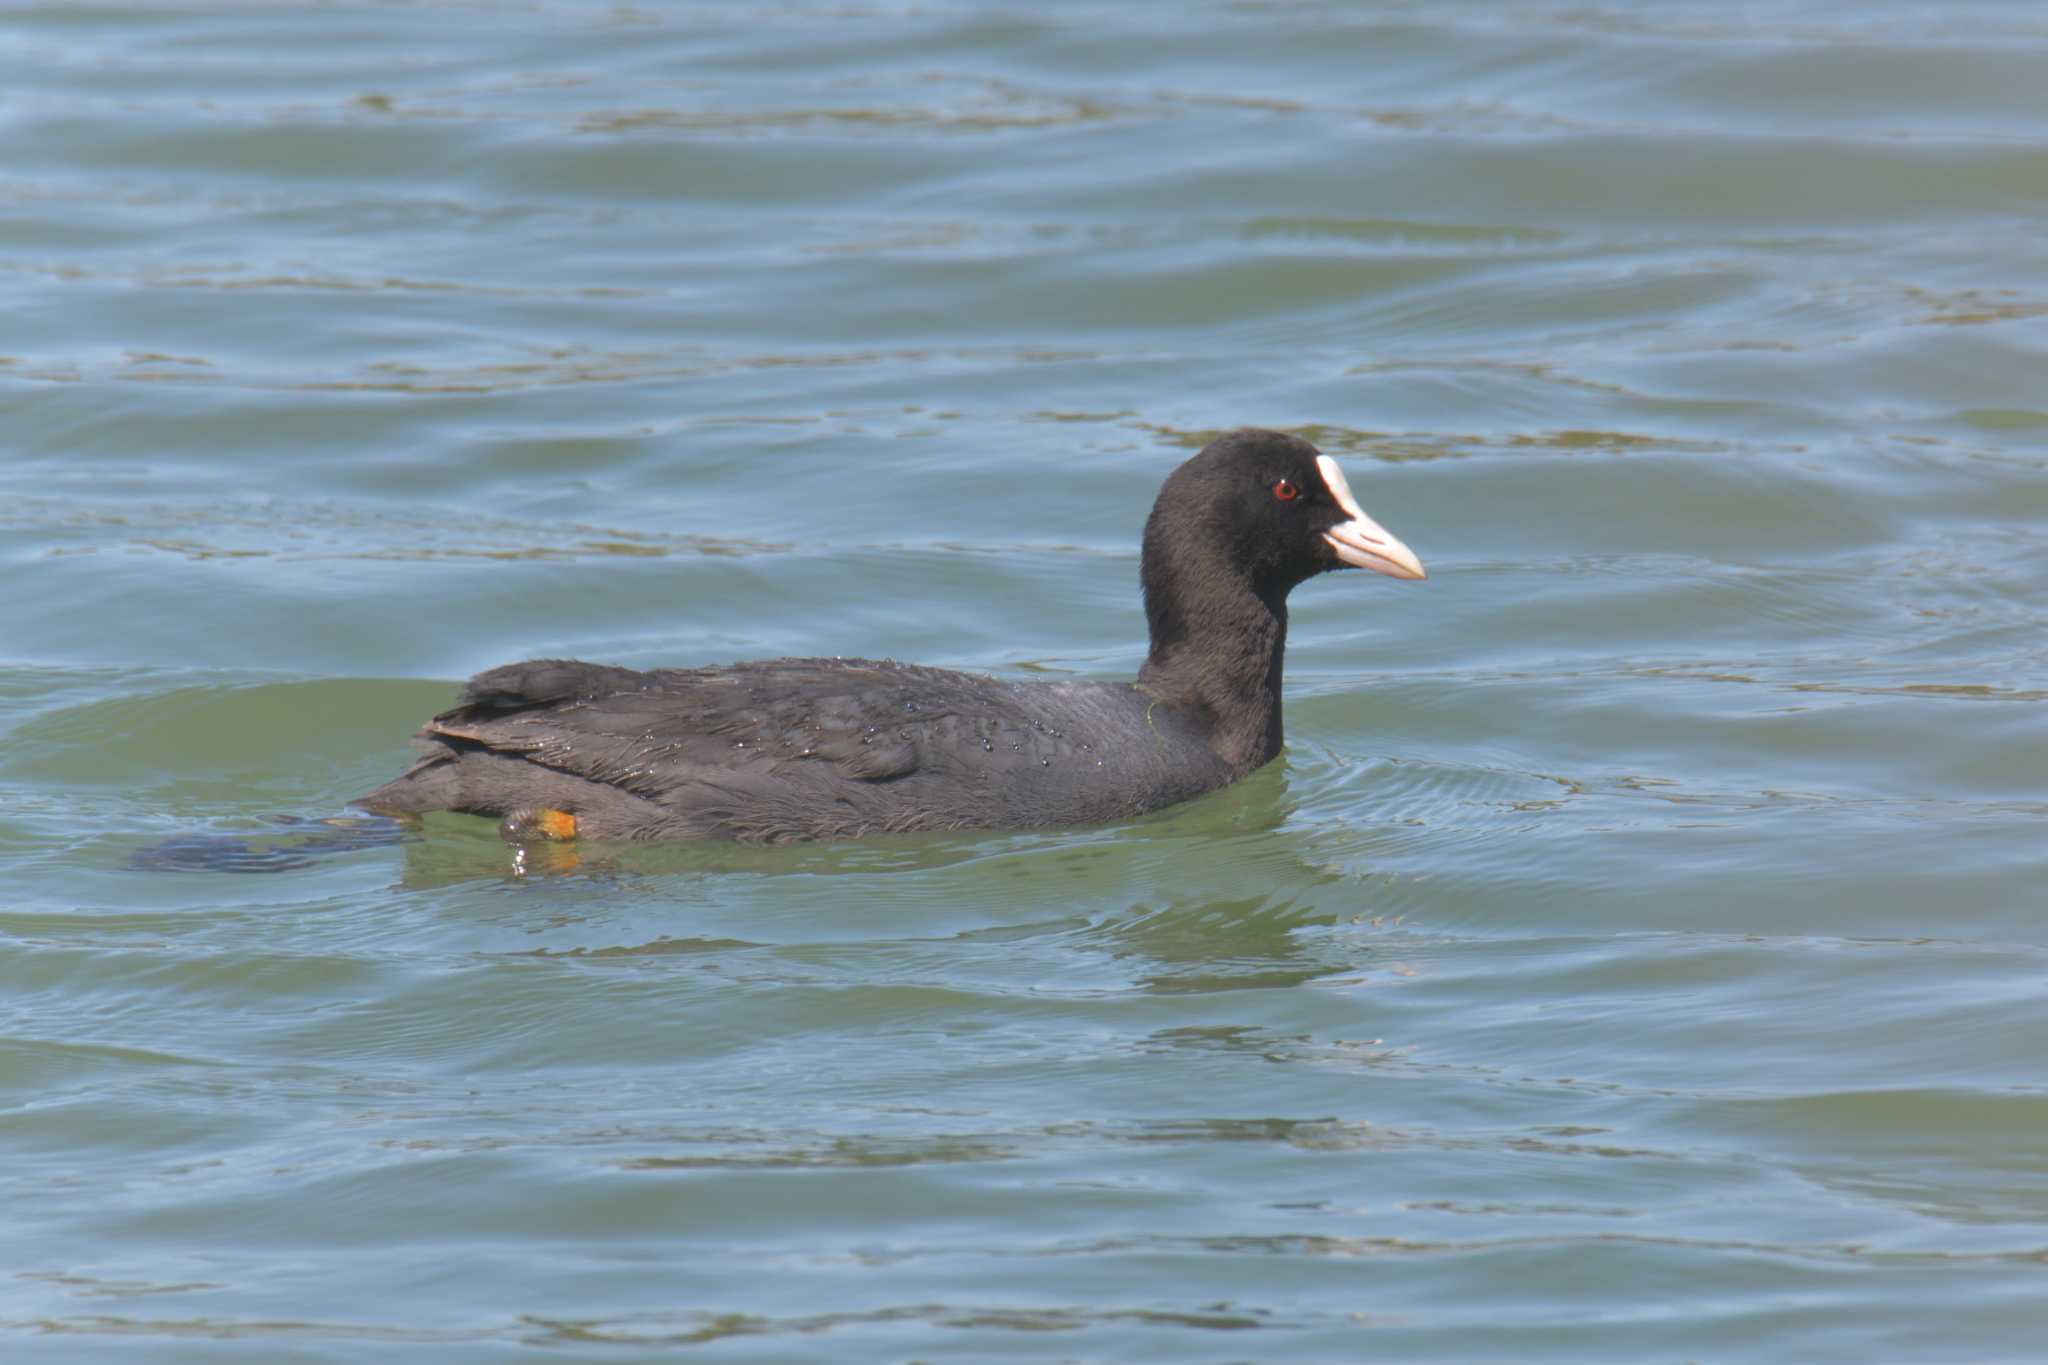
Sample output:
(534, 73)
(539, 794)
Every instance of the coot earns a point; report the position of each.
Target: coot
(790, 749)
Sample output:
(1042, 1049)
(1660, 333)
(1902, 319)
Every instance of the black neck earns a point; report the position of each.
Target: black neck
(1217, 649)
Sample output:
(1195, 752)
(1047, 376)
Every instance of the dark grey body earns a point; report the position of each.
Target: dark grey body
(840, 748)
(789, 749)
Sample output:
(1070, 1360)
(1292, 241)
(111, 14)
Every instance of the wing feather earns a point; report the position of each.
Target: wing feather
(650, 732)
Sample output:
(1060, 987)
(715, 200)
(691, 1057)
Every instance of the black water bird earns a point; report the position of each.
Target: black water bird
(793, 749)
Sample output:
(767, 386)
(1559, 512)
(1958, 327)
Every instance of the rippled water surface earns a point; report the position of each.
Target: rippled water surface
(1638, 955)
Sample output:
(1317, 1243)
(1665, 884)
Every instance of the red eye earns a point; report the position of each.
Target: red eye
(1286, 491)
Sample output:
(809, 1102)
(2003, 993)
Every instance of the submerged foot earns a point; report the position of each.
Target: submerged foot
(307, 839)
(537, 824)
(543, 840)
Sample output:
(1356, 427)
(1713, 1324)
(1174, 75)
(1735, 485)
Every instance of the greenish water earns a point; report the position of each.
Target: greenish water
(1638, 955)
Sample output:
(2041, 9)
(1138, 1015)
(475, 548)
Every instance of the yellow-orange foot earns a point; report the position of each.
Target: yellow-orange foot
(531, 824)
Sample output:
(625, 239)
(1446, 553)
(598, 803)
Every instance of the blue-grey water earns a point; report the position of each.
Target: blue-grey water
(1639, 953)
